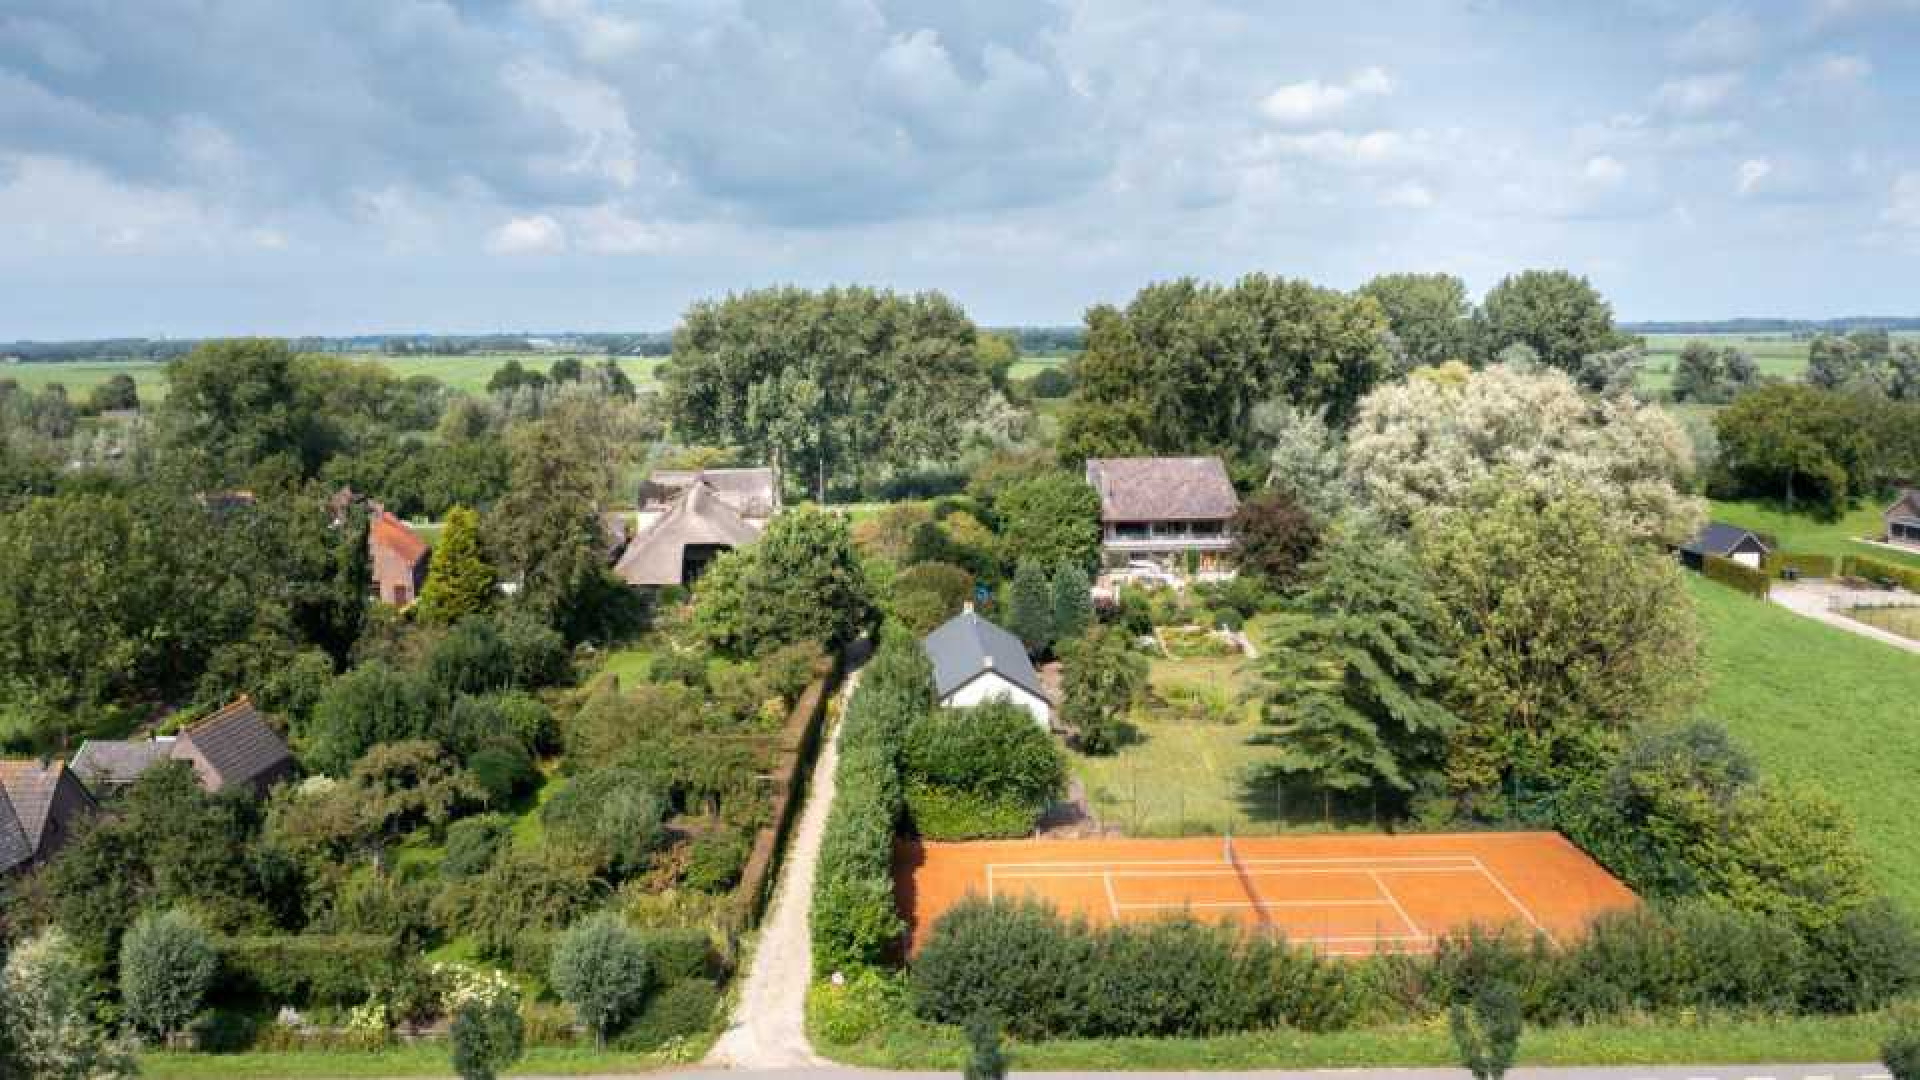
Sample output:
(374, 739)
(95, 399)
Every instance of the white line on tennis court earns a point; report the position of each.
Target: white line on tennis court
(1362, 861)
(1092, 870)
(1514, 900)
(1395, 901)
(1147, 905)
(1113, 901)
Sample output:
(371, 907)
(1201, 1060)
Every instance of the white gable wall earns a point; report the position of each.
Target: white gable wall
(992, 686)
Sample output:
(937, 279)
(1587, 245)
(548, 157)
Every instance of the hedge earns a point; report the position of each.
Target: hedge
(1735, 575)
(1045, 975)
(1881, 570)
(306, 969)
(1806, 566)
(941, 813)
(673, 953)
(677, 1010)
(854, 921)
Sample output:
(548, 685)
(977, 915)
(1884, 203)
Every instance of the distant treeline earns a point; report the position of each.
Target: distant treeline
(1799, 327)
(1033, 340)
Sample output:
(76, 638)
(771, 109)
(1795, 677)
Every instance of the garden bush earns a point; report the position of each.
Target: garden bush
(688, 667)
(677, 953)
(992, 749)
(716, 860)
(1880, 570)
(305, 969)
(676, 1010)
(940, 813)
(858, 1007)
(503, 770)
(472, 843)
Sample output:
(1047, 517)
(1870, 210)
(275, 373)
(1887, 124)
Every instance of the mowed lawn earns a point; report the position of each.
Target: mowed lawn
(1803, 534)
(1819, 706)
(468, 374)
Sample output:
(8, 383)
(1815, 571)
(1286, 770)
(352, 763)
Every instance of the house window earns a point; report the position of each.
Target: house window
(1130, 530)
(1206, 529)
(401, 594)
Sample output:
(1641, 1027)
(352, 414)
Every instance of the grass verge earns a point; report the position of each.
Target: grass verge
(1825, 708)
(428, 1059)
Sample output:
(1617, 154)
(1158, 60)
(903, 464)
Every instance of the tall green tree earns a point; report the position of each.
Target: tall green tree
(1103, 677)
(801, 581)
(233, 406)
(1800, 443)
(49, 996)
(1561, 317)
(1181, 368)
(827, 384)
(459, 581)
(487, 1037)
(545, 533)
(1030, 606)
(1565, 632)
(1072, 601)
(1429, 313)
(1357, 687)
(1053, 517)
(1712, 374)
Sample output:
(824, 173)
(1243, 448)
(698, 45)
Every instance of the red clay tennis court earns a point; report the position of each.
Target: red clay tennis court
(1344, 895)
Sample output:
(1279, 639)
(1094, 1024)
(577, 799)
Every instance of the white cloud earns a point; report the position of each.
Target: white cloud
(1693, 95)
(1833, 74)
(1305, 104)
(1346, 148)
(1411, 195)
(267, 238)
(1751, 174)
(606, 230)
(539, 234)
(1726, 36)
(1904, 207)
(1605, 170)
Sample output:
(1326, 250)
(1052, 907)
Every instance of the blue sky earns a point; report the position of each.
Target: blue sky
(181, 167)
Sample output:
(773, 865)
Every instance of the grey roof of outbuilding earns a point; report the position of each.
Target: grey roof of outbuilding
(29, 792)
(1162, 489)
(1906, 506)
(698, 517)
(15, 848)
(965, 646)
(1719, 538)
(237, 744)
(118, 761)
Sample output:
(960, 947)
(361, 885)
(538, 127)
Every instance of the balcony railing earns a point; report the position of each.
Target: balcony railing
(1160, 539)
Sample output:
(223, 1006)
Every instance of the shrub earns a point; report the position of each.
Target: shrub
(984, 1059)
(1881, 571)
(688, 668)
(940, 813)
(1739, 959)
(1630, 960)
(995, 748)
(600, 968)
(528, 720)
(523, 891)
(1487, 1030)
(1869, 957)
(611, 812)
(1103, 680)
(309, 969)
(678, 1010)
(486, 1037)
(927, 594)
(860, 1006)
(675, 953)
(503, 770)
(1901, 1052)
(471, 659)
(472, 843)
(1735, 575)
(717, 858)
(1050, 382)
(166, 965)
(1016, 960)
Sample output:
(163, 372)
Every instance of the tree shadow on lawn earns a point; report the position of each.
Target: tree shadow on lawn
(1271, 799)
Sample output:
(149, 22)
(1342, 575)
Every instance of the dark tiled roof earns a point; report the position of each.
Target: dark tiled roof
(118, 761)
(237, 745)
(1719, 538)
(33, 795)
(967, 645)
(1162, 489)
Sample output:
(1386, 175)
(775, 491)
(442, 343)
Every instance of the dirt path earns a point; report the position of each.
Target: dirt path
(768, 1030)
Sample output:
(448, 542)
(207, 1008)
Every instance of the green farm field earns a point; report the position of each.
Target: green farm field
(1779, 355)
(468, 374)
(1820, 707)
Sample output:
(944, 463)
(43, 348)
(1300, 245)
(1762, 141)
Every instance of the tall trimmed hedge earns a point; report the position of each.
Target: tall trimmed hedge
(1807, 566)
(1736, 575)
(312, 969)
(855, 923)
(1881, 570)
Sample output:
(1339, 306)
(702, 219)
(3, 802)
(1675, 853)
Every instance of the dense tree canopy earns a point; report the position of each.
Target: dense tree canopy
(1429, 314)
(1182, 367)
(1713, 374)
(801, 581)
(1800, 443)
(1562, 318)
(827, 384)
(1432, 441)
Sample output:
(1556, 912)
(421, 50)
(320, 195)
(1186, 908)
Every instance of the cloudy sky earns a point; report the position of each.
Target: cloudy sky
(191, 167)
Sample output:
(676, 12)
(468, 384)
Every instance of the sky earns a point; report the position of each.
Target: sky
(203, 167)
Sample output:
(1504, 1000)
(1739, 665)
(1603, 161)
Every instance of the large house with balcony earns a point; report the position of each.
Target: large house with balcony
(1174, 512)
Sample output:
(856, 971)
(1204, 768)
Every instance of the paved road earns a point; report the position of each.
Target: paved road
(1629, 1072)
(1814, 599)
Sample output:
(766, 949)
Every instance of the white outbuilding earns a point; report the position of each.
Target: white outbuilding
(975, 662)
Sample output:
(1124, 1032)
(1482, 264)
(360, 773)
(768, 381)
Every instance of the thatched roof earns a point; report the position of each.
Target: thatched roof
(1162, 489)
(697, 518)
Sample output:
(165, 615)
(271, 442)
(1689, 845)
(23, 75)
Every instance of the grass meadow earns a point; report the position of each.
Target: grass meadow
(1803, 534)
(1823, 708)
(468, 374)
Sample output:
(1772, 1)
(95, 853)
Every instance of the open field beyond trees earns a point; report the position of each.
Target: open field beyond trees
(1824, 708)
(468, 374)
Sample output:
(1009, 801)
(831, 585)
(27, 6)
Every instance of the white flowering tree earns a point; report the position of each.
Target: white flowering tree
(1432, 440)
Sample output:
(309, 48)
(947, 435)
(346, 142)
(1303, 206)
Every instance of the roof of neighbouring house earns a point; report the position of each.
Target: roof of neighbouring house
(389, 532)
(1906, 506)
(751, 492)
(29, 797)
(1719, 538)
(698, 517)
(966, 646)
(1162, 488)
(117, 761)
(236, 744)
